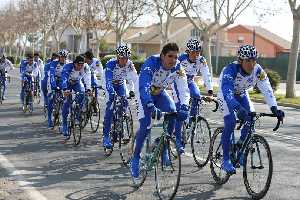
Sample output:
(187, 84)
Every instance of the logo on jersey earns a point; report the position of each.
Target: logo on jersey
(180, 72)
(262, 76)
(155, 90)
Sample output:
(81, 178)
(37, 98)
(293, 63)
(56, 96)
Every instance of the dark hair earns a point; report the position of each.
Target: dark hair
(54, 55)
(79, 59)
(169, 47)
(89, 55)
(29, 55)
(36, 54)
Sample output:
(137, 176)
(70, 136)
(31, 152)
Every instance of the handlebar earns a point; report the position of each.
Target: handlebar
(258, 115)
(206, 99)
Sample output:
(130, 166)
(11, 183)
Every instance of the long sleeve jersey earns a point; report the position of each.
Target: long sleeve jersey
(116, 74)
(235, 81)
(70, 76)
(193, 68)
(6, 66)
(154, 79)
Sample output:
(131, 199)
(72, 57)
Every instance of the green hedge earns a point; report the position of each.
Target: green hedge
(137, 62)
(274, 79)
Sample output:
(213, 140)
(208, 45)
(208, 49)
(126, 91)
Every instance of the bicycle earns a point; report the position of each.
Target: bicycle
(122, 129)
(36, 90)
(58, 101)
(252, 159)
(92, 111)
(74, 120)
(167, 171)
(2, 82)
(28, 96)
(197, 132)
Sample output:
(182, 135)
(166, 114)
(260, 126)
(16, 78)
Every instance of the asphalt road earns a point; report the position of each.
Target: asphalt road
(36, 166)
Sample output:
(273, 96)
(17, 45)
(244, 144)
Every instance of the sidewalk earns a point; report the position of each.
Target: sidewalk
(280, 90)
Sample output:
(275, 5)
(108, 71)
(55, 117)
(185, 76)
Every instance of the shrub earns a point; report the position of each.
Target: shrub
(274, 79)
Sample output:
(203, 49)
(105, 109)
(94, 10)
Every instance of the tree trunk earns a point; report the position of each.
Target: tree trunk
(118, 38)
(44, 53)
(293, 58)
(206, 51)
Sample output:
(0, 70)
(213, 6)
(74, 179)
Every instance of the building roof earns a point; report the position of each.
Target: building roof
(283, 43)
(111, 36)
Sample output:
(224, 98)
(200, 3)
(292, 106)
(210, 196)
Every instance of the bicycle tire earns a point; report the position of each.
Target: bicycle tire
(126, 147)
(163, 168)
(1, 97)
(95, 126)
(203, 139)
(252, 148)
(77, 128)
(216, 158)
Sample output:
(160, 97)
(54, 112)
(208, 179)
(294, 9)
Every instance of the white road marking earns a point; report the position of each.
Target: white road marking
(32, 192)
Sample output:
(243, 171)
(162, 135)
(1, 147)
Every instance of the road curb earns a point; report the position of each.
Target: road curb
(280, 104)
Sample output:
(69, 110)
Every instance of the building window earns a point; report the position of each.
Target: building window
(195, 33)
(241, 39)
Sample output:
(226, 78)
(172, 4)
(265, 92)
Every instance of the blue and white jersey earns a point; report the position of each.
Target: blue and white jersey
(193, 68)
(96, 68)
(235, 81)
(154, 79)
(25, 67)
(71, 76)
(6, 66)
(116, 74)
(55, 71)
(40, 65)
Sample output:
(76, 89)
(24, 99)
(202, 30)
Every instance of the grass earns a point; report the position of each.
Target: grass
(258, 96)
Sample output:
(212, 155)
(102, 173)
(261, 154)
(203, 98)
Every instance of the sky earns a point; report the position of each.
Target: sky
(280, 24)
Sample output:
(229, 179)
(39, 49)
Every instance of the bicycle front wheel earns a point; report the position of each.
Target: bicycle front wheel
(258, 167)
(76, 127)
(200, 141)
(125, 142)
(168, 170)
(216, 158)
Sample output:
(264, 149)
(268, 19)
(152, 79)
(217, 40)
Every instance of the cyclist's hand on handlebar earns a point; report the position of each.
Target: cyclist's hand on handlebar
(88, 92)
(131, 94)
(279, 113)
(67, 93)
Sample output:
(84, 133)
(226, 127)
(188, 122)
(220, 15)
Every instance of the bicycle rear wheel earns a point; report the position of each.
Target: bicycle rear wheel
(216, 158)
(167, 172)
(125, 143)
(200, 141)
(258, 167)
(95, 116)
(1, 90)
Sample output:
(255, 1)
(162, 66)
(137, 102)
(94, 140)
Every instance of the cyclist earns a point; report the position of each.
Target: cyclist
(95, 67)
(28, 69)
(193, 63)
(157, 73)
(44, 81)
(56, 67)
(72, 76)
(117, 70)
(5, 66)
(235, 79)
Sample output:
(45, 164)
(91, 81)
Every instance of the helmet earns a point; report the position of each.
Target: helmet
(123, 51)
(63, 53)
(247, 52)
(193, 45)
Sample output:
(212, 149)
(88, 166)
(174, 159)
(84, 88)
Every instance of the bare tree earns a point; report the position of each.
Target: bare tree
(211, 16)
(121, 14)
(293, 58)
(166, 10)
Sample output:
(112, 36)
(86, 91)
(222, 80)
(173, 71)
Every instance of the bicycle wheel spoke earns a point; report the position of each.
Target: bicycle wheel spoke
(200, 141)
(258, 167)
(168, 170)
